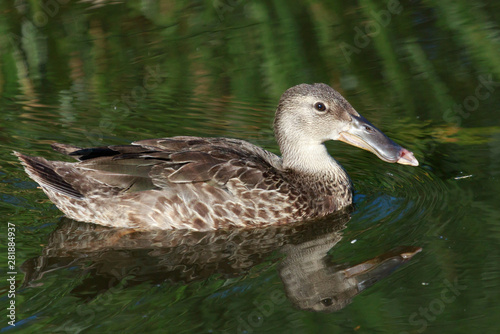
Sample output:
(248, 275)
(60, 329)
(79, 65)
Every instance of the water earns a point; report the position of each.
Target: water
(98, 73)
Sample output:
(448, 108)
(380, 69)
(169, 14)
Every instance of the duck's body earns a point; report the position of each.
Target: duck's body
(210, 183)
(186, 182)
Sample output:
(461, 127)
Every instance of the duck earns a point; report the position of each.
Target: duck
(210, 183)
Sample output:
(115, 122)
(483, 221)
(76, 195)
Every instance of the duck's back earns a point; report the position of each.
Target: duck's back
(179, 182)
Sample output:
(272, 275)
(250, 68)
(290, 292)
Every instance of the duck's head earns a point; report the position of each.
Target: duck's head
(309, 115)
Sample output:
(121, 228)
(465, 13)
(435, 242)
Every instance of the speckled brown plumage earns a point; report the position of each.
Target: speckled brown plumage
(184, 182)
(209, 183)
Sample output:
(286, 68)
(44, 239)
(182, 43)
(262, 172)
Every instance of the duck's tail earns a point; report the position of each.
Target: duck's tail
(45, 173)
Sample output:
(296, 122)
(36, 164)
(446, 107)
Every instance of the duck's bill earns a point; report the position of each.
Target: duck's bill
(372, 271)
(364, 135)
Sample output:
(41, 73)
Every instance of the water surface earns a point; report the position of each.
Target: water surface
(427, 73)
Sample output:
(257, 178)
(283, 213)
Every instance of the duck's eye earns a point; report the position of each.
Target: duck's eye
(320, 106)
(327, 301)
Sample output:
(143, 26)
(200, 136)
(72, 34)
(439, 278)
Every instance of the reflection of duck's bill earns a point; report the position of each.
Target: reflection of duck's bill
(364, 135)
(371, 271)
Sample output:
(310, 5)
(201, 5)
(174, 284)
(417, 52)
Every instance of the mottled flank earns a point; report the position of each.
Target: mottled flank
(209, 183)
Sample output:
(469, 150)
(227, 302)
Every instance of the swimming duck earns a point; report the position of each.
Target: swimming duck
(212, 183)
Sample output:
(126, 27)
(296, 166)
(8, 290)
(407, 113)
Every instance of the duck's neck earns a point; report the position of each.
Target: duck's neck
(321, 179)
(310, 158)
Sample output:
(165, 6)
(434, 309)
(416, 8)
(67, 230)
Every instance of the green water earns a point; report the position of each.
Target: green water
(427, 73)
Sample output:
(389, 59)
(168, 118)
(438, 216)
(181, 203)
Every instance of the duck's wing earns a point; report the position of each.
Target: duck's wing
(159, 163)
(189, 143)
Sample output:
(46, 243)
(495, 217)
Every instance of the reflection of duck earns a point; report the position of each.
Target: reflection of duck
(107, 257)
(209, 183)
(315, 284)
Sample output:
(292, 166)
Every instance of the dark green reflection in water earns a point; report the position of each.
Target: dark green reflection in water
(426, 72)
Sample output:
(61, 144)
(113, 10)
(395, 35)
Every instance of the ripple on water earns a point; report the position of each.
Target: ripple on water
(412, 198)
